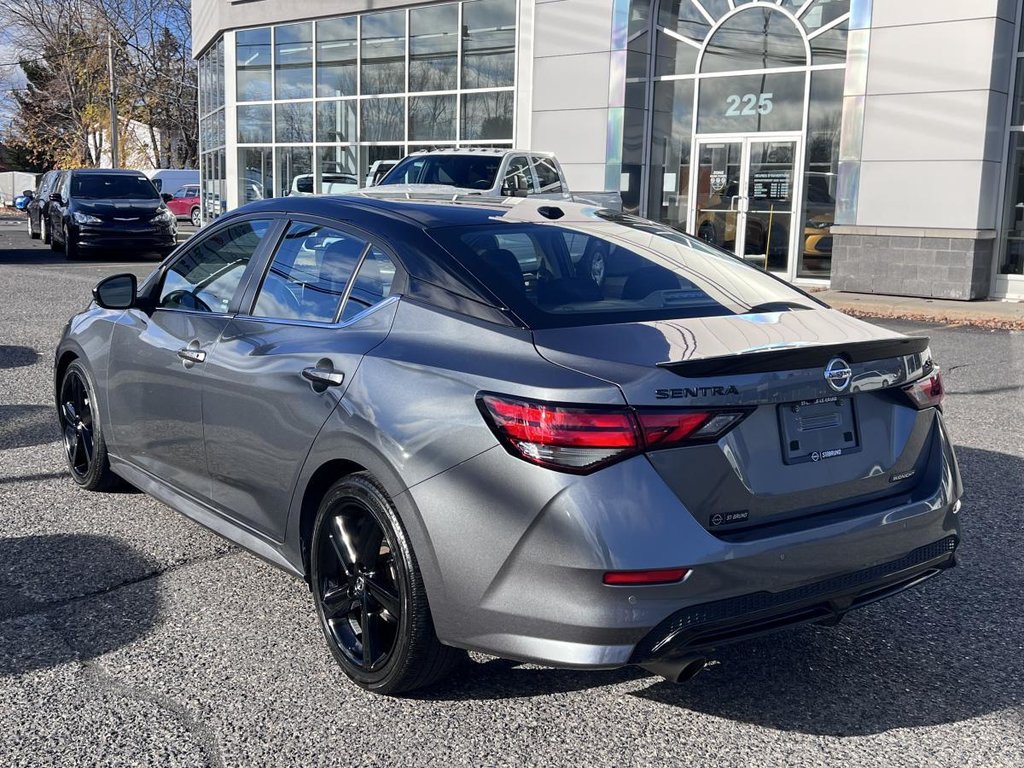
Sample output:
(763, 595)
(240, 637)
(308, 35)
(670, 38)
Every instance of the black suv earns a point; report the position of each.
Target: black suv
(38, 207)
(109, 210)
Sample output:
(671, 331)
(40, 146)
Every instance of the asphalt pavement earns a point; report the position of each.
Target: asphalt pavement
(131, 636)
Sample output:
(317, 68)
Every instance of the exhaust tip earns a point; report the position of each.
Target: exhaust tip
(677, 670)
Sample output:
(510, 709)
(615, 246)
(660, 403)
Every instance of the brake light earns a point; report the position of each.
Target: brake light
(927, 392)
(581, 439)
(645, 578)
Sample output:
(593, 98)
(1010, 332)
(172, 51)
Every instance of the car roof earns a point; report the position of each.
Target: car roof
(427, 212)
(106, 171)
(471, 151)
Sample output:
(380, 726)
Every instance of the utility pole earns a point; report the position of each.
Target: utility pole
(114, 159)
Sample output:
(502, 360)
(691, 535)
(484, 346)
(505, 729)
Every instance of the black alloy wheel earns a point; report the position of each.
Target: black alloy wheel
(368, 592)
(84, 447)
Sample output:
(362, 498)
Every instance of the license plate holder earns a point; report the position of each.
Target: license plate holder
(818, 430)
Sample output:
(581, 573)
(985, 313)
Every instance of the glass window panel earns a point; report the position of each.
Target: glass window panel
(1018, 100)
(336, 120)
(487, 116)
(383, 69)
(337, 50)
(1013, 215)
(634, 126)
(717, 8)
(433, 48)
(294, 170)
(383, 119)
(309, 273)
(336, 170)
(549, 181)
(372, 285)
(750, 103)
(758, 37)
(670, 152)
(206, 277)
(488, 43)
(255, 124)
(374, 160)
(684, 18)
(675, 57)
(830, 46)
(432, 117)
(252, 55)
(294, 122)
(821, 174)
(293, 62)
(638, 56)
(823, 12)
(255, 174)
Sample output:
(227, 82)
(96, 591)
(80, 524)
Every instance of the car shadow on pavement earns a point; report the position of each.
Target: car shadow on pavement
(27, 257)
(17, 357)
(947, 651)
(70, 598)
(22, 426)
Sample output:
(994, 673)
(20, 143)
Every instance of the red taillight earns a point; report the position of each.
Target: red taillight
(581, 439)
(645, 578)
(927, 392)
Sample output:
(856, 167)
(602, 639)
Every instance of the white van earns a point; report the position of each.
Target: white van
(171, 179)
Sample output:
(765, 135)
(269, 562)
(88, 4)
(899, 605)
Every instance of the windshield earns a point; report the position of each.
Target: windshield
(466, 171)
(105, 186)
(614, 270)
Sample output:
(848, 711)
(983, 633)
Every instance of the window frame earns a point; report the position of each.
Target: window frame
(247, 303)
(274, 220)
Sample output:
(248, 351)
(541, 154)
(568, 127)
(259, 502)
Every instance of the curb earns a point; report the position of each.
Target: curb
(952, 318)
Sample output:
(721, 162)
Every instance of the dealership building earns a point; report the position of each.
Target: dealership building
(873, 145)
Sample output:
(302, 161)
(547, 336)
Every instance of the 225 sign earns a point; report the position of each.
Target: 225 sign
(749, 104)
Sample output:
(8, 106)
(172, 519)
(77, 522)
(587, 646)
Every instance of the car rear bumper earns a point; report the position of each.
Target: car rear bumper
(528, 586)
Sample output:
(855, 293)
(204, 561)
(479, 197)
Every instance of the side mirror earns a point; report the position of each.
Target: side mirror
(28, 193)
(166, 197)
(116, 291)
(56, 198)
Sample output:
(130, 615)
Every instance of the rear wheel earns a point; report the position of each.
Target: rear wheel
(84, 446)
(44, 231)
(31, 232)
(197, 217)
(368, 592)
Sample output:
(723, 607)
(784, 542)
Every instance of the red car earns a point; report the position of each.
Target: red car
(185, 204)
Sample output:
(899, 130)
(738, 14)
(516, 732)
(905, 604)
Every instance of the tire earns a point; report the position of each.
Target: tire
(196, 217)
(71, 250)
(31, 232)
(85, 450)
(44, 231)
(366, 583)
(54, 245)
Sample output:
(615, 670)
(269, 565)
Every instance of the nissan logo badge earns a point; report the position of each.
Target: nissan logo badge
(838, 374)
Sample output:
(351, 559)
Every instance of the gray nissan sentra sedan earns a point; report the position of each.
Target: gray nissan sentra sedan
(543, 431)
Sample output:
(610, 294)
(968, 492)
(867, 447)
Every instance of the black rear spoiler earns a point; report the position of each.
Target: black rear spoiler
(791, 358)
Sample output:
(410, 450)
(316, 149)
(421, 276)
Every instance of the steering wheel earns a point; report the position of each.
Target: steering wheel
(480, 184)
(186, 300)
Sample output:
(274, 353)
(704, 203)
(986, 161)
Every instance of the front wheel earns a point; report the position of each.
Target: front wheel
(84, 446)
(31, 232)
(54, 245)
(197, 217)
(368, 592)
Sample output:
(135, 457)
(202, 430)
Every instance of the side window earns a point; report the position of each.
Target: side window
(547, 176)
(206, 276)
(372, 285)
(183, 192)
(518, 176)
(309, 273)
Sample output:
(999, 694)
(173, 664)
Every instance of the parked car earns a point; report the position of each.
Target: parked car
(378, 170)
(487, 172)
(105, 210)
(184, 204)
(369, 394)
(330, 184)
(38, 207)
(166, 179)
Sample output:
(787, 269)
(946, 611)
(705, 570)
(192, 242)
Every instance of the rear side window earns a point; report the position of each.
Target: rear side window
(206, 276)
(589, 274)
(309, 274)
(372, 284)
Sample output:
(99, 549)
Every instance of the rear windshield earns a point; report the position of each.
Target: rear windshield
(467, 171)
(113, 185)
(609, 272)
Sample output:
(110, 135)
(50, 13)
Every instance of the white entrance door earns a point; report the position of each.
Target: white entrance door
(746, 195)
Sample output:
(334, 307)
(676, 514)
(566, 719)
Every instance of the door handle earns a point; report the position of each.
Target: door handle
(323, 377)
(190, 355)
